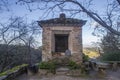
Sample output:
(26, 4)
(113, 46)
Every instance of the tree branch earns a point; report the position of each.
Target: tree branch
(101, 22)
(118, 1)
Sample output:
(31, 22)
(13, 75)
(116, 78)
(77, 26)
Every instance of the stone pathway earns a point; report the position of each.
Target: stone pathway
(114, 75)
(55, 77)
(111, 75)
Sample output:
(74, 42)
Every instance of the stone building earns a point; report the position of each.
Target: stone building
(61, 34)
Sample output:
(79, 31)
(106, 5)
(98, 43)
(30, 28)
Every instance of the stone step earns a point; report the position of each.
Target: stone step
(62, 70)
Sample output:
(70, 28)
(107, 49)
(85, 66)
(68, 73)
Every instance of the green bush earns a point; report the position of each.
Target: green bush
(48, 65)
(73, 65)
(110, 57)
(85, 58)
(44, 65)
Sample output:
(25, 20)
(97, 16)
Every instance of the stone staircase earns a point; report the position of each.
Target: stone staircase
(62, 70)
(62, 65)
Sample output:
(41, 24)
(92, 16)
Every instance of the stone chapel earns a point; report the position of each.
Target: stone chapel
(61, 34)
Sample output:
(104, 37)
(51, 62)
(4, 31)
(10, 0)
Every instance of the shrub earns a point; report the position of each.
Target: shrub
(85, 58)
(73, 65)
(48, 65)
(111, 57)
(44, 65)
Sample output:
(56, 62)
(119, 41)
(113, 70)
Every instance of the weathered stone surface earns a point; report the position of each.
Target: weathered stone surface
(74, 73)
(43, 71)
(12, 75)
(62, 20)
(74, 30)
(62, 71)
(68, 53)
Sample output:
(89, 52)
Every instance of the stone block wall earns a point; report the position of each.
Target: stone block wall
(74, 41)
(62, 25)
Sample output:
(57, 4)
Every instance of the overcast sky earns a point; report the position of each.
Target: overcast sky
(17, 10)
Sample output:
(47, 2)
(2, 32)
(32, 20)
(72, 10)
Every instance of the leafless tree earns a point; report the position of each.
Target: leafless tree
(107, 21)
(8, 34)
(118, 1)
(4, 5)
(16, 32)
(30, 39)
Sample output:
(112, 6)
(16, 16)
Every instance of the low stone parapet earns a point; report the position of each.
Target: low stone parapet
(14, 74)
(113, 64)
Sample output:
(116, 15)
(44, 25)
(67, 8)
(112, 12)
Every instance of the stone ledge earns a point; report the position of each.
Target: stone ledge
(14, 74)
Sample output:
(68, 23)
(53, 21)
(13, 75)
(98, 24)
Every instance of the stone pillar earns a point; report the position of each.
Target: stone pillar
(46, 47)
(77, 44)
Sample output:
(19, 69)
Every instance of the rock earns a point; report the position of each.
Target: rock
(43, 71)
(68, 53)
(31, 70)
(3, 77)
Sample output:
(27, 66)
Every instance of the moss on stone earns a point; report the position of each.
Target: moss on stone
(12, 70)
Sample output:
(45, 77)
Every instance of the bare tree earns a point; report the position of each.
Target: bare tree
(9, 34)
(118, 1)
(107, 21)
(51, 5)
(4, 5)
(30, 39)
(16, 32)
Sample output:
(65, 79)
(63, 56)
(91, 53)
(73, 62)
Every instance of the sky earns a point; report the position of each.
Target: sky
(21, 11)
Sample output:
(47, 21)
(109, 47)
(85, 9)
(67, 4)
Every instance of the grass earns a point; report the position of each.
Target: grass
(12, 70)
(90, 53)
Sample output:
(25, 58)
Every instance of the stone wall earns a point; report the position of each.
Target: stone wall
(74, 41)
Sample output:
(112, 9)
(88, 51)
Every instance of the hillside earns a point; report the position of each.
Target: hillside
(91, 52)
(13, 55)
